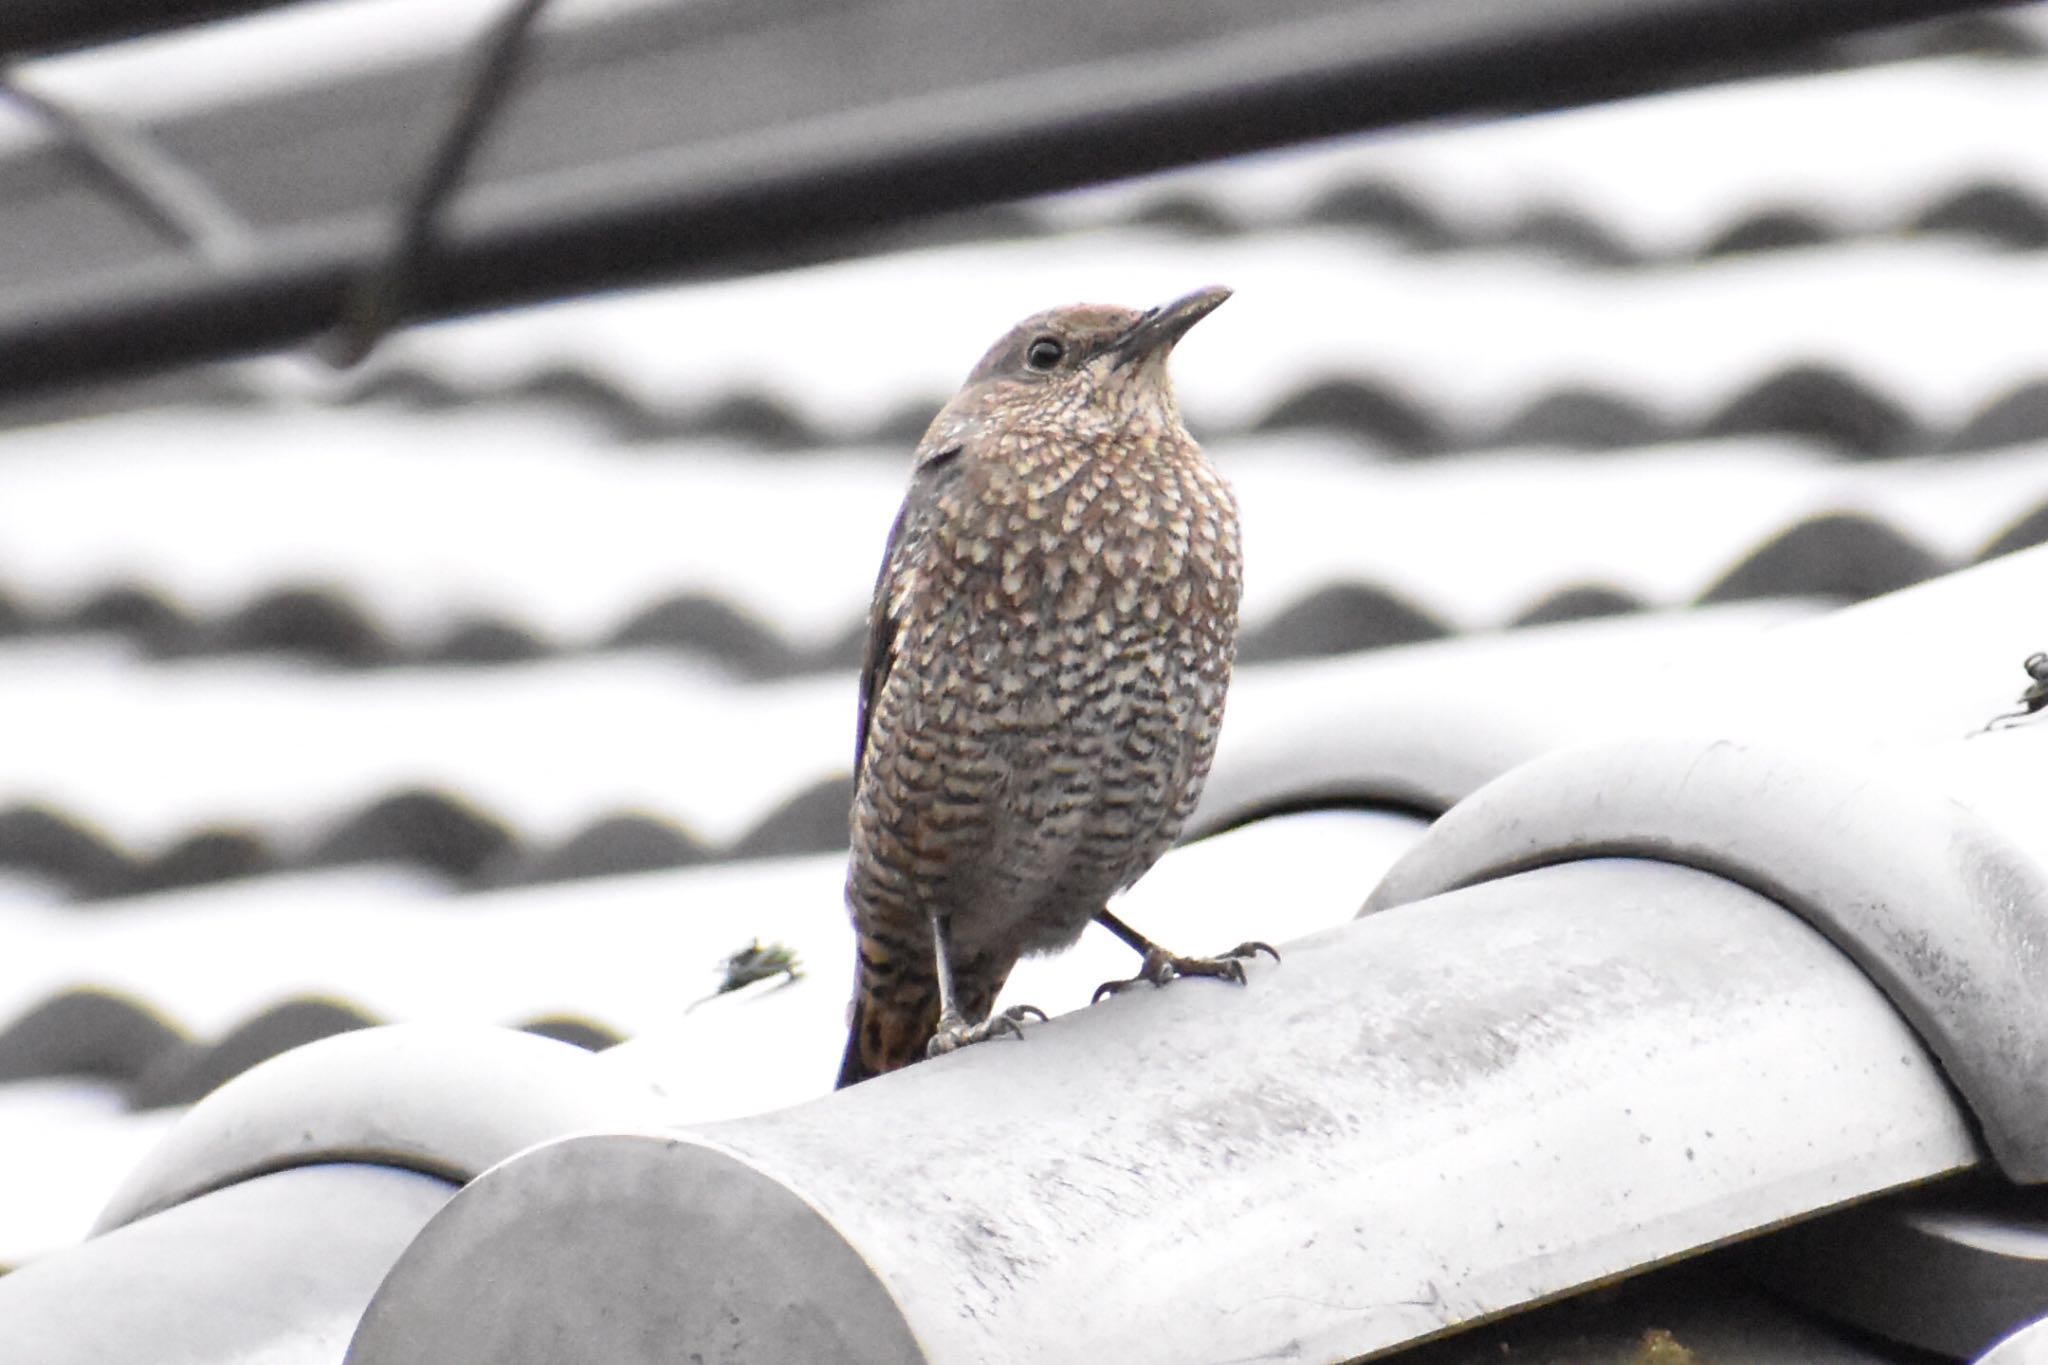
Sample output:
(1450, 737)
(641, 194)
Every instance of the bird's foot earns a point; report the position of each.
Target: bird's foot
(1160, 967)
(955, 1032)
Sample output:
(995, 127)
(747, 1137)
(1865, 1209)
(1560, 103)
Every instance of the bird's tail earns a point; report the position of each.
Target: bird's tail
(895, 1007)
(887, 1028)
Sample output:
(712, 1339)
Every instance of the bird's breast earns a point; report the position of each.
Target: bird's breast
(1066, 601)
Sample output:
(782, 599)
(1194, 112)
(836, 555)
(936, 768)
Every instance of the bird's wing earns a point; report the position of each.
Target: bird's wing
(881, 646)
(934, 463)
(919, 505)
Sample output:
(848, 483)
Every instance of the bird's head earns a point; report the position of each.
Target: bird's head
(1083, 368)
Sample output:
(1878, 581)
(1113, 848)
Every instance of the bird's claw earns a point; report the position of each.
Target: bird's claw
(955, 1032)
(1160, 967)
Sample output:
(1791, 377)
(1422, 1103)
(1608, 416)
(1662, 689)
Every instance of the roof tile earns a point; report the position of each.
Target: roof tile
(2003, 214)
(2014, 418)
(1824, 403)
(1339, 620)
(628, 842)
(812, 821)
(1373, 412)
(182, 1074)
(1843, 555)
(2029, 531)
(319, 621)
(86, 1032)
(432, 828)
(37, 839)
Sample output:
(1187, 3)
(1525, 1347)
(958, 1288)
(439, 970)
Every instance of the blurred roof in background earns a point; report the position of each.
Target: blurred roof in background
(506, 680)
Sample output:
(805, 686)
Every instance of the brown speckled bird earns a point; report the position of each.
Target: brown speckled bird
(1047, 656)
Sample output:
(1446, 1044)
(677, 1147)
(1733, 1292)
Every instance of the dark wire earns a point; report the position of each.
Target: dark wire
(377, 302)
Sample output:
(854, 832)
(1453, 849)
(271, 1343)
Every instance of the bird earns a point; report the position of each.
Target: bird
(1048, 651)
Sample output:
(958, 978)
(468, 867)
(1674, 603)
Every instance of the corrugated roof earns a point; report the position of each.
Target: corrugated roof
(509, 682)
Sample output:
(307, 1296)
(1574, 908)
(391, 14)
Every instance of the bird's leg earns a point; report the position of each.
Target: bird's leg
(1160, 966)
(954, 1031)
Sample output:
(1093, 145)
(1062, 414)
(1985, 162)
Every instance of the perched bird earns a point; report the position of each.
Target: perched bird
(1048, 651)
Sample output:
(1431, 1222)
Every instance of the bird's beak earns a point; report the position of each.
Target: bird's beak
(1157, 331)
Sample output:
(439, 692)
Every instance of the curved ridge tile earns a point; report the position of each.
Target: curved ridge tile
(207, 855)
(86, 1032)
(1382, 206)
(1375, 411)
(320, 621)
(404, 385)
(1570, 236)
(698, 622)
(1769, 229)
(1565, 1067)
(442, 1099)
(1577, 418)
(486, 640)
(1932, 900)
(758, 419)
(1580, 602)
(1419, 730)
(432, 828)
(2029, 531)
(65, 849)
(592, 395)
(144, 615)
(1341, 619)
(812, 821)
(1823, 403)
(1997, 211)
(2013, 418)
(274, 1270)
(188, 1073)
(800, 1289)
(626, 842)
(1845, 555)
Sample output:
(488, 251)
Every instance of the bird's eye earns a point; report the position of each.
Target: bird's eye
(1044, 353)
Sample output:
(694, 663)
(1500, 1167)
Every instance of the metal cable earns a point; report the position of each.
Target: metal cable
(377, 301)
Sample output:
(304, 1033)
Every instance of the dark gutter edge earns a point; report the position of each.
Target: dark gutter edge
(33, 28)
